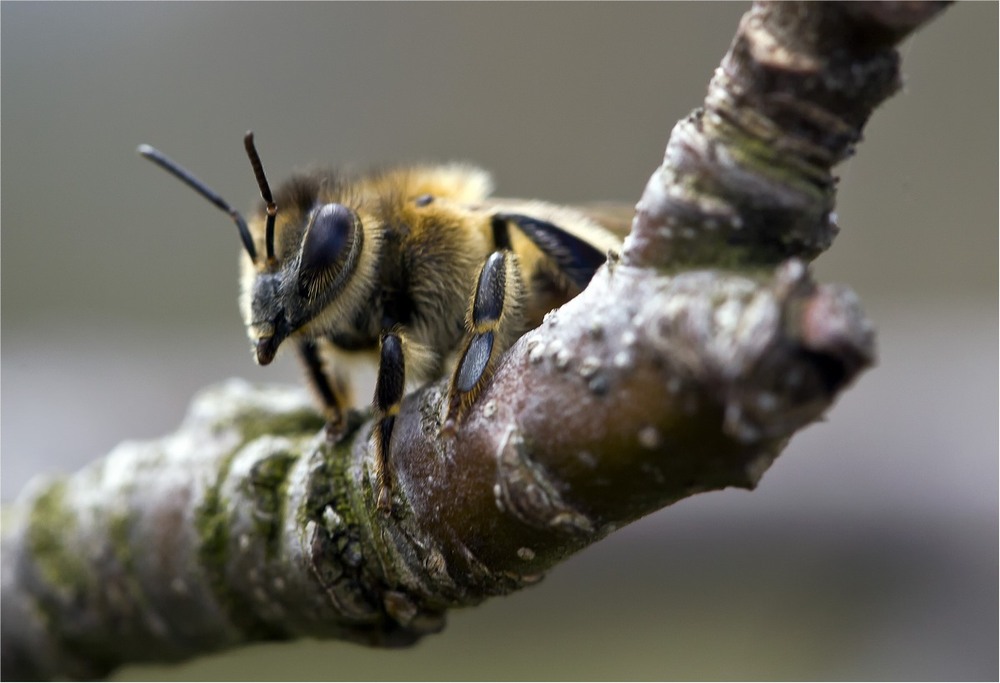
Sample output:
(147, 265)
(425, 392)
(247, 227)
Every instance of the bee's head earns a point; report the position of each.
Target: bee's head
(288, 295)
(287, 292)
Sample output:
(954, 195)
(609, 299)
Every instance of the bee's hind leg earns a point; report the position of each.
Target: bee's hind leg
(388, 395)
(493, 320)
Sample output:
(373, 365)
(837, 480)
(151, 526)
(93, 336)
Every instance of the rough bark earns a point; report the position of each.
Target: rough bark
(685, 366)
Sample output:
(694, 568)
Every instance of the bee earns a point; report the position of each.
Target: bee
(417, 265)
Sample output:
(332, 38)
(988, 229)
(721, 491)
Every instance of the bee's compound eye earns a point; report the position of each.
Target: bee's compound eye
(327, 241)
(423, 200)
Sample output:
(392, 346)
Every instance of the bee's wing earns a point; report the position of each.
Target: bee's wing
(576, 239)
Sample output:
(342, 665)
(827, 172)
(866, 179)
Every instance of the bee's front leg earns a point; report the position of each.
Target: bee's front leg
(330, 388)
(388, 395)
(493, 320)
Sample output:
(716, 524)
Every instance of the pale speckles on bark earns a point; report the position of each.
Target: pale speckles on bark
(589, 367)
(649, 437)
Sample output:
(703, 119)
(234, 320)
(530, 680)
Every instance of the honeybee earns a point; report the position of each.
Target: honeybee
(418, 265)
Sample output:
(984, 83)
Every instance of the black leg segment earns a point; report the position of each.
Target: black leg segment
(331, 389)
(488, 302)
(391, 373)
(388, 395)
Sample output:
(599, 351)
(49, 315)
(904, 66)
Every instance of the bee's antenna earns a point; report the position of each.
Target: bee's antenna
(185, 176)
(265, 193)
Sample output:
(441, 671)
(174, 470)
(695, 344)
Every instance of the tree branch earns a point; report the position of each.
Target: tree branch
(685, 366)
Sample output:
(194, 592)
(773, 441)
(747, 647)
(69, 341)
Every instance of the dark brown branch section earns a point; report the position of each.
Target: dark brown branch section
(640, 392)
(685, 366)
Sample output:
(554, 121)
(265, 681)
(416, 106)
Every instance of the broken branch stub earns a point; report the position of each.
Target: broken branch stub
(747, 179)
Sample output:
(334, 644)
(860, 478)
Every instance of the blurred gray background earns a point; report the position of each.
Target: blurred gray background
(869, 550)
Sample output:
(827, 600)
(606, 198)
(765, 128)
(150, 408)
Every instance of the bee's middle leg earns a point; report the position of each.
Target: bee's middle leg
(389, 387)
(494, 317)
